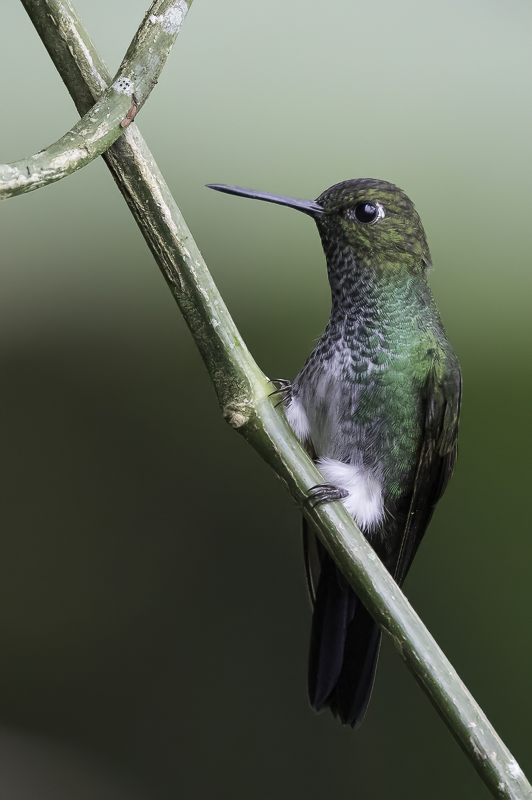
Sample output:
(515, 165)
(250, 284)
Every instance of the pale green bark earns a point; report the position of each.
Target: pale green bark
(107, 119)
(243, 395)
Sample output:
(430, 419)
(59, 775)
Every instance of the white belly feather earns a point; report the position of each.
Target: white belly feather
(364, 501)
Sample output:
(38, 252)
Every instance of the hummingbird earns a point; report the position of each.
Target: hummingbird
(376, 405)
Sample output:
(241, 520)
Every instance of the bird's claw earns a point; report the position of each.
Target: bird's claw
(284, 389)
(324, 493)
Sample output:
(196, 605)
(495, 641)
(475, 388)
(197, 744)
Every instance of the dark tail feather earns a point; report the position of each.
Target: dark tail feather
(344, 648)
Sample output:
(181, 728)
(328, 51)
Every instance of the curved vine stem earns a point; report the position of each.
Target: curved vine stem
(117, 106)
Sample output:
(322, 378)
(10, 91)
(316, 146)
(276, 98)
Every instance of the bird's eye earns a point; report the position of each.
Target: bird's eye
(366, 212)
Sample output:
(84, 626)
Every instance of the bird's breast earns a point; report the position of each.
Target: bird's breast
(361, 412)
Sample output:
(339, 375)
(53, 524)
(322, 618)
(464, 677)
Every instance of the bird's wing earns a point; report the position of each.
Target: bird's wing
(442, 395)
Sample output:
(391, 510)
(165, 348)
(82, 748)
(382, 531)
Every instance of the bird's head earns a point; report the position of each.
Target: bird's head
(374, 219)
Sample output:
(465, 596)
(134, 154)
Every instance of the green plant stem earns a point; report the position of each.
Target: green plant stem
(243, 392)
(106, 120)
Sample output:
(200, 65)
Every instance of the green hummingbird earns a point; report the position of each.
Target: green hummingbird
(377, 406)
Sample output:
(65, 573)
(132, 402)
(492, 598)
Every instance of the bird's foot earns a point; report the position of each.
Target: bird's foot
(324, 493)
(284, 389)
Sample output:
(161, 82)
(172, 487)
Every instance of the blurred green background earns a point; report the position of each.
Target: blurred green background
(153, 614)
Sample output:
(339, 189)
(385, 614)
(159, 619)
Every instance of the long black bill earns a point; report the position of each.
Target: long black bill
(309, 207)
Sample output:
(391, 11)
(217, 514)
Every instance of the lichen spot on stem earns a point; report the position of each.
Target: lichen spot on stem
(237, 414)
(123, 86)
(172, 19)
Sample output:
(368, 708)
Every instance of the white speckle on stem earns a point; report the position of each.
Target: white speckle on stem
(123, 86)
(478, 753)
(514, 769)
(64, 160)
(173, 17)
(10, 173)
